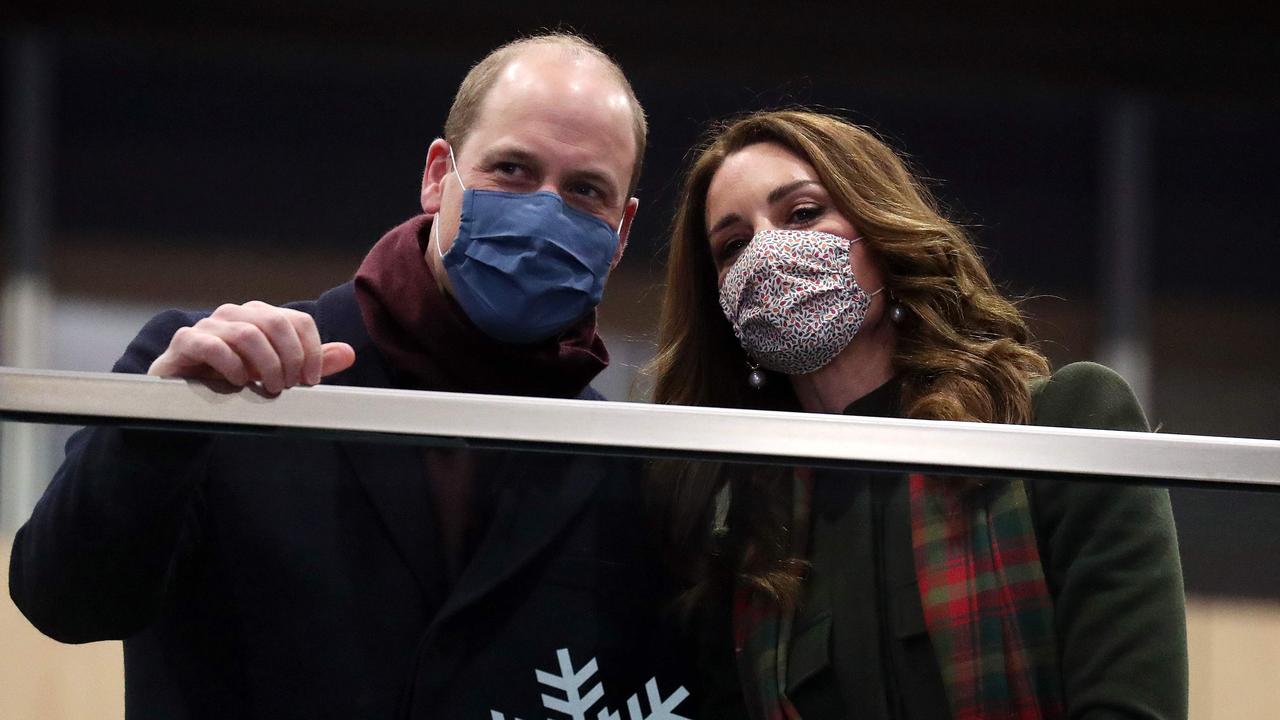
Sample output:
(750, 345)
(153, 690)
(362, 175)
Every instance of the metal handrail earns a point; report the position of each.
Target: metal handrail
(640, 429)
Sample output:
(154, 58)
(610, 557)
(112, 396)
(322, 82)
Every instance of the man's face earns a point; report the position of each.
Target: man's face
(552, 121)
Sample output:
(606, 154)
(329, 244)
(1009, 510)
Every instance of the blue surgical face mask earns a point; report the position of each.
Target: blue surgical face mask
(526, 266)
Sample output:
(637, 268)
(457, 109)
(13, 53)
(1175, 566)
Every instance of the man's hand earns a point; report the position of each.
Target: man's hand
(241, 344)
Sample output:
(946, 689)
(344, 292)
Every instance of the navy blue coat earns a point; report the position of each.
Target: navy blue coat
(278, 577)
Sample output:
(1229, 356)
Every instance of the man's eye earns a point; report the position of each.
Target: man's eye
(508, 168)
(586, 190)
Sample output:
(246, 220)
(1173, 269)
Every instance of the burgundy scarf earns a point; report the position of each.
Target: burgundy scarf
(427, 338)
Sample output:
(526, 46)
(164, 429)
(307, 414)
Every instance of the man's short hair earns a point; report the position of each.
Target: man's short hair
(476, 85)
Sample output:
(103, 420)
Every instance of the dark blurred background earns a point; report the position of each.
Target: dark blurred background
(1118, 167)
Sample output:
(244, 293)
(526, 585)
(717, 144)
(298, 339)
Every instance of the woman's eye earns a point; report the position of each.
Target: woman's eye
(731, 248)
(806, 213)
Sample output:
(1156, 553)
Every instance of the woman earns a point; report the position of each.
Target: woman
(809, 270)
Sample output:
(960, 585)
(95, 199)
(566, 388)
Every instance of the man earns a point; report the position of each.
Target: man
(272, 577)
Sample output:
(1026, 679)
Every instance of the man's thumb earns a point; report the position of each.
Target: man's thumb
(336, 357)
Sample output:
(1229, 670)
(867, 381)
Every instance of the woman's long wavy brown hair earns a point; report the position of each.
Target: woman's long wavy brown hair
(963, 351)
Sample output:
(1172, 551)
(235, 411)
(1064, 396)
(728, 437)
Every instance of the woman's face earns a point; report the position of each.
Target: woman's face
(765, 186)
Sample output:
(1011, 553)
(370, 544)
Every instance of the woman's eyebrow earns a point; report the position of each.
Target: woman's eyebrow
(774, 196)
(783, 190)
(725, 221)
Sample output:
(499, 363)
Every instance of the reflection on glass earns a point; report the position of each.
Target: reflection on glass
(240, 566)
(345, 560)
(858, 589)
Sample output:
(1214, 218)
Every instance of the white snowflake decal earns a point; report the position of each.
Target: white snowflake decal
(575, 704)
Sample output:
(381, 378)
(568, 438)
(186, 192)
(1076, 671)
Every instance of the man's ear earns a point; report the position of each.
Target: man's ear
(433, 176)
(624, 231)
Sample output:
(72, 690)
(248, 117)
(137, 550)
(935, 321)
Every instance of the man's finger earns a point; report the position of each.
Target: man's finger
(216, 355)
(196, 354)
(259, 355)
(313, 358)
(279, 329)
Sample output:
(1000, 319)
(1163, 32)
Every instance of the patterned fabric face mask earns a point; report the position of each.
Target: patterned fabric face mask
(792, 299)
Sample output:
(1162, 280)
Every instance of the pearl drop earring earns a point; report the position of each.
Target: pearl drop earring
(756, 378)
(897, 313)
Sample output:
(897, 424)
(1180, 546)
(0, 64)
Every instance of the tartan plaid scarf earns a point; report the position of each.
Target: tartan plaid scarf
(985, 601)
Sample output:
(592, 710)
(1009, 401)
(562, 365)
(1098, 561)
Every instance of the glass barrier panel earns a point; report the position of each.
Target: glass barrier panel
(304, 572)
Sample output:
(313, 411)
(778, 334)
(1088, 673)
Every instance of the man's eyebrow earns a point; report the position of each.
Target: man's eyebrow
(512, 154)
(783, 190)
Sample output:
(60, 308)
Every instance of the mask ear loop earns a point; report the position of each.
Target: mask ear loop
(435, 226)
(896, 311)
(454, 162)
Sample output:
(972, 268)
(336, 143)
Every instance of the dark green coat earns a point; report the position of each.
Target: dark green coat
(859, 646)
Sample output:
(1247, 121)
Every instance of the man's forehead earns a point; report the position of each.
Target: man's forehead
(552, 97)
(546, 60)
(550, 73)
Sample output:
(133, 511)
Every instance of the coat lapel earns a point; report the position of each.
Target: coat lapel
(538, 496)
(392, 477)
(391, 473)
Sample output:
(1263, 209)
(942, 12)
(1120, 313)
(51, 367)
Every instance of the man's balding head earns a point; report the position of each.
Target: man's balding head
(470, 100)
